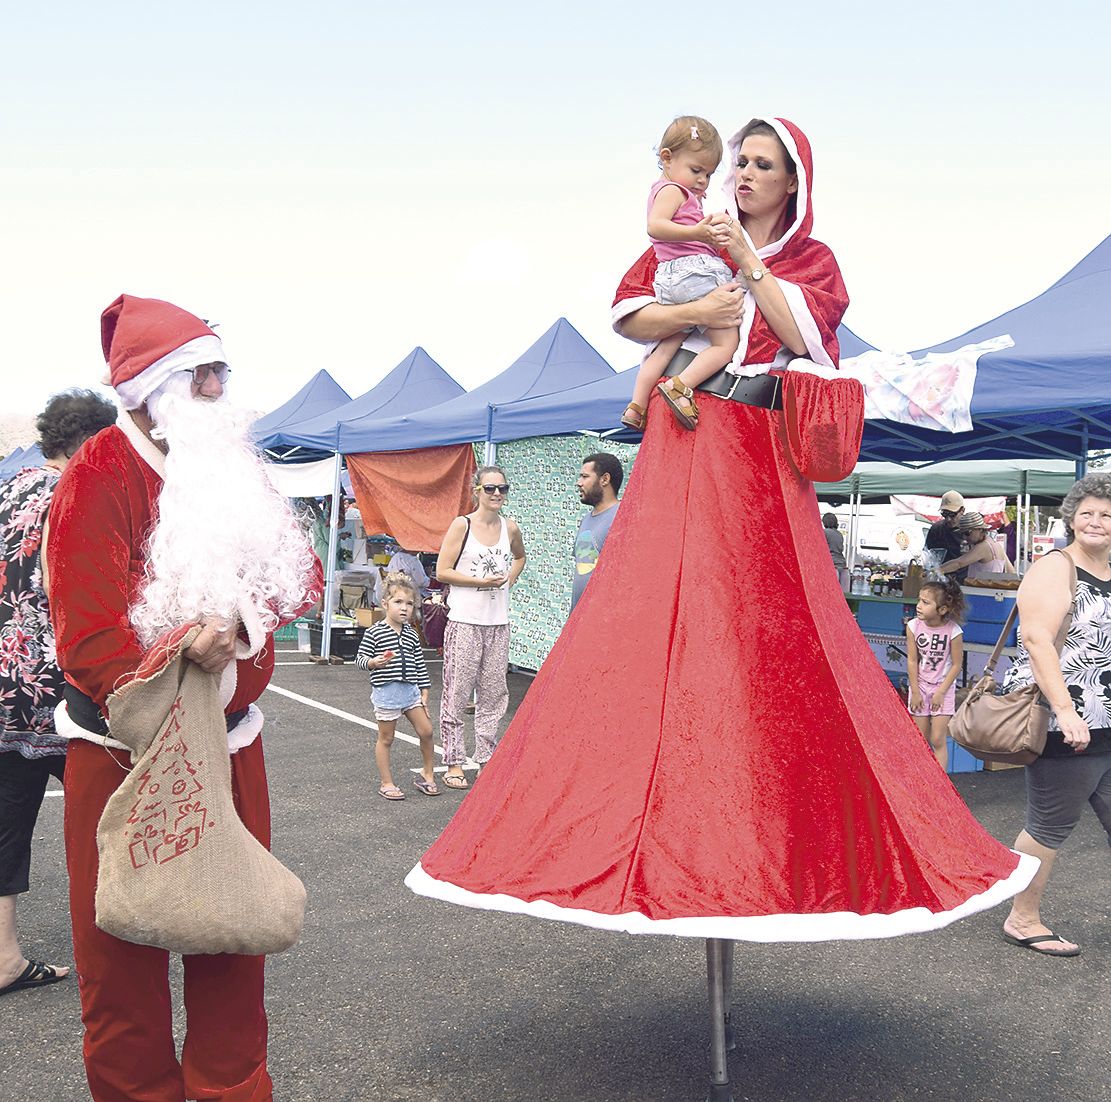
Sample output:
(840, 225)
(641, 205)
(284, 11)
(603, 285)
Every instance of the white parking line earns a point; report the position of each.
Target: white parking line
(347, 715)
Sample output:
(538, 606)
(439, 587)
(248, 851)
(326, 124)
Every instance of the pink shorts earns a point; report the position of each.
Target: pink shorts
(948, 705)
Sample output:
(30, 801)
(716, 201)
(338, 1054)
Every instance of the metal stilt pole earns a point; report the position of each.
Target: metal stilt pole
(727, 993)
(715, 980)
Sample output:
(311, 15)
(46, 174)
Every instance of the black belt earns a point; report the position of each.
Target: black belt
(83, 711)
(765, 391)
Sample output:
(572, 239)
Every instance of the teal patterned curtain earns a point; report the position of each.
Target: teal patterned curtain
(545, 503)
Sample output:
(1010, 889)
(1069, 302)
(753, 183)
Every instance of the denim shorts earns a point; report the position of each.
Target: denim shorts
(687, 278)
(392, 700)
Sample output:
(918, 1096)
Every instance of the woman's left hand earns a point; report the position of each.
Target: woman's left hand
(1073, 729)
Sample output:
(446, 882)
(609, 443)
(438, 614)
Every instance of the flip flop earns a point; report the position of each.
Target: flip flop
(36, 974)
(427, 787)
(454, 781)
(1032, 944)
(391, 792)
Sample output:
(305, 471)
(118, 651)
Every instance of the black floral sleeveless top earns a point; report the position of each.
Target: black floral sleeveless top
(1085, 665)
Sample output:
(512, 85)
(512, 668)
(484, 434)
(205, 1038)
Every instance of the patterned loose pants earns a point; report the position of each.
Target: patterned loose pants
(476, 657)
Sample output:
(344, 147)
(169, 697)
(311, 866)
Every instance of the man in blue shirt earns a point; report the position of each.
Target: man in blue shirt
(599, 482)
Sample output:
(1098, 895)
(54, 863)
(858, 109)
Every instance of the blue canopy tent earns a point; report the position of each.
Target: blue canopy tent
(561, 358)
(18, 459)
(11, 460)
(417, 383)
(1045, 397)
(319, 395)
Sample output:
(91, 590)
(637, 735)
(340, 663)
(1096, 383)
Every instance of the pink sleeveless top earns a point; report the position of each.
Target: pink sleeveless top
(689, 214)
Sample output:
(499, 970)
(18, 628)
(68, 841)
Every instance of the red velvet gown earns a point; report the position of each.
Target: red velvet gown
(711, 748)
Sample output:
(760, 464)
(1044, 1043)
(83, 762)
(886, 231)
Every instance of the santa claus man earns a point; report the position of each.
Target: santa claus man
(167, 518)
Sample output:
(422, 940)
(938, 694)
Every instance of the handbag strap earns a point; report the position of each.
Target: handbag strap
(1062, 631)
(466, 536)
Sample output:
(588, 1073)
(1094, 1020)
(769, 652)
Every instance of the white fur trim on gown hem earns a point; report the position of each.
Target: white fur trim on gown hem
(835, 926)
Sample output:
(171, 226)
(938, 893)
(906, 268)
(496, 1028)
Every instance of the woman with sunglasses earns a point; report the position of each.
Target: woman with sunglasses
(481, 556)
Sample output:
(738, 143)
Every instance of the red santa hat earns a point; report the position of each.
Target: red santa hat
(146, 340)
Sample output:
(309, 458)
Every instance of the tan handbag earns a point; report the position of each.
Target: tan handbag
(1010, 728)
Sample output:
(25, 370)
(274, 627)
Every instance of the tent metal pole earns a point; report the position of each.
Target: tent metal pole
(330, 565)
(1082, 462)
(715, 982)
(1028, 541)
(854, 525)
(489, 453)
(1020, 535)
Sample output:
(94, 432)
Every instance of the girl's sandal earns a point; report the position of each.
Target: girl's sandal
(633, 417)
(680, 400)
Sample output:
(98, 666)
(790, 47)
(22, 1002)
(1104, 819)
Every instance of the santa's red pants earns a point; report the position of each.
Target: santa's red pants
(125, 994)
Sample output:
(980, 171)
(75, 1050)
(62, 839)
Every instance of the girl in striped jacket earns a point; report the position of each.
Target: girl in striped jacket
(391, 651)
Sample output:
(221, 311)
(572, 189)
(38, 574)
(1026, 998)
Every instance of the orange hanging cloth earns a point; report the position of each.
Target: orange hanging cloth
(413, 495)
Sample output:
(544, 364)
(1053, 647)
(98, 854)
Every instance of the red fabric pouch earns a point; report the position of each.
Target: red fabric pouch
(823, 422)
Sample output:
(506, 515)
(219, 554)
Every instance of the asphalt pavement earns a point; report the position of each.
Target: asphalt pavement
(390, 996)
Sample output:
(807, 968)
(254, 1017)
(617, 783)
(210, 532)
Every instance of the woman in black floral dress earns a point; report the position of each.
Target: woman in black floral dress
(30, 682)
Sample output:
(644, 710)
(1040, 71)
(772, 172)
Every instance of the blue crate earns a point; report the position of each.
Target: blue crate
(984, 616)
(961, 761)
(880, 616)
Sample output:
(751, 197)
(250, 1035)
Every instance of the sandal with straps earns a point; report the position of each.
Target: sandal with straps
(680, 400)
(633, 417)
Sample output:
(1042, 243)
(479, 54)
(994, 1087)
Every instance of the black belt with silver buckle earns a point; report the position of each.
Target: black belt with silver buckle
(765, 391)
(83, 711)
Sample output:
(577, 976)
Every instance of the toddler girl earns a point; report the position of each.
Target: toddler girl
(934, 653)
(687, 247)
(392, 652)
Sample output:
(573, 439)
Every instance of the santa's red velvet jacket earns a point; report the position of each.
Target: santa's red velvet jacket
(102, 514)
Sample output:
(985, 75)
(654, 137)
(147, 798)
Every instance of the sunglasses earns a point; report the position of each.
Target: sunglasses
(496, 488)
(201, 374)
(948, 514)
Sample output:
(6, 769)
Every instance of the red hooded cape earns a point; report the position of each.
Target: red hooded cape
(711, 749)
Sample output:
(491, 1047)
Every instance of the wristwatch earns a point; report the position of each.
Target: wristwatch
(758, 274)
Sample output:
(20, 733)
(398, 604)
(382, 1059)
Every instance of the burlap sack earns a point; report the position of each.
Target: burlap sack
(178, 869)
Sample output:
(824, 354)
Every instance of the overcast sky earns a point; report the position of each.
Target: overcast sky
(338, 182)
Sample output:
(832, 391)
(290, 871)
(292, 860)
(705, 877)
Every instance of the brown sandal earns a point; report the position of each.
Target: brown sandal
(680, 399)
(633, 417)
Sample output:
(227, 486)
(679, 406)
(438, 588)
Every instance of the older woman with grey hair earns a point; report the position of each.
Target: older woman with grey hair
(1075, 767)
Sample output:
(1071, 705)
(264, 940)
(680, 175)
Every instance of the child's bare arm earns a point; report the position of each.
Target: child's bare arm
(912, 659)
(956, 657)
(661, 227)
(914, 696)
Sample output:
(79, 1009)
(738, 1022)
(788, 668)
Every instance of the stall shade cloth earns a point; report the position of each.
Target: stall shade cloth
(413, 496)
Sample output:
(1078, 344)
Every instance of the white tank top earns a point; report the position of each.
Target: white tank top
(468, 605)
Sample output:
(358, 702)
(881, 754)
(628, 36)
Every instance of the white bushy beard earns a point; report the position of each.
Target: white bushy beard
(226, 544)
